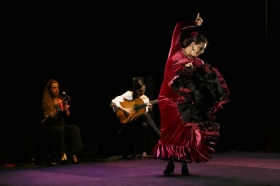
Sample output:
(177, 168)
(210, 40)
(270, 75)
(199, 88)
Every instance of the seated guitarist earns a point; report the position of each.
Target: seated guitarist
(136, 119)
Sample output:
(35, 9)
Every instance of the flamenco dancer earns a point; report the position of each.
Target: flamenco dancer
(191, 93)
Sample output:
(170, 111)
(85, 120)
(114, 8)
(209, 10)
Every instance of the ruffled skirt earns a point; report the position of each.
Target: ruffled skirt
(188, 131)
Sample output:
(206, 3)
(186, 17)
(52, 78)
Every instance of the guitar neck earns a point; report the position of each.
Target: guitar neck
(140, 106)
(154, 102)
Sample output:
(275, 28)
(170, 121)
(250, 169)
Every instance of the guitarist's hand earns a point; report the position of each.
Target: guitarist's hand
(126, 111)
(150, 106)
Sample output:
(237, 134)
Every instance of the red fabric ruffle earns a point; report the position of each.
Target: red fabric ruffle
(199, 148)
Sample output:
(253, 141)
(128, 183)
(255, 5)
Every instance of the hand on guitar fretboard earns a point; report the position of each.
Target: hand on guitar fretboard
(137, 107)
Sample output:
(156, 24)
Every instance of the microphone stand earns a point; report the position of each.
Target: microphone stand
(56, 108)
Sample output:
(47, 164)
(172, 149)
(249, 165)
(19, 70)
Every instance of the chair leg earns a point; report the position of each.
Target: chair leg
(134, 150)
(135, 147)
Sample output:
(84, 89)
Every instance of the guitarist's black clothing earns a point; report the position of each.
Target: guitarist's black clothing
(141, 125)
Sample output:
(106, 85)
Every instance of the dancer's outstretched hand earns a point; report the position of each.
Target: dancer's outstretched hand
(198, 20)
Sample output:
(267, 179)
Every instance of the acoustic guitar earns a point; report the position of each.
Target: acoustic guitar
(137, 107)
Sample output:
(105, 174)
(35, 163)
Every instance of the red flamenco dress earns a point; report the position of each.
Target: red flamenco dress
(188, 101)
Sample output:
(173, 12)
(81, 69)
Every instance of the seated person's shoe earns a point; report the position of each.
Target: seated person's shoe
(53, 164)
(169, 169)
(145, 156)
(63, 160)
(75, 160)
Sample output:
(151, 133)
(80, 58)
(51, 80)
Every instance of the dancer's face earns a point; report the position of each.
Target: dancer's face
(198, 49)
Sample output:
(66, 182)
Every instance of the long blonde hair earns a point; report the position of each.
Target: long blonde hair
(47, 101)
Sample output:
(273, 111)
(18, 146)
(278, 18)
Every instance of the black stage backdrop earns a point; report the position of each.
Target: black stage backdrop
(95, 48)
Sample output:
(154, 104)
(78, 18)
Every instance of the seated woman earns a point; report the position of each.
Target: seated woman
(61, 137)
(134, 119)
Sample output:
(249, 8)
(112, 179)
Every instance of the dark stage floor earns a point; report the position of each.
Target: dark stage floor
(238, 168)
